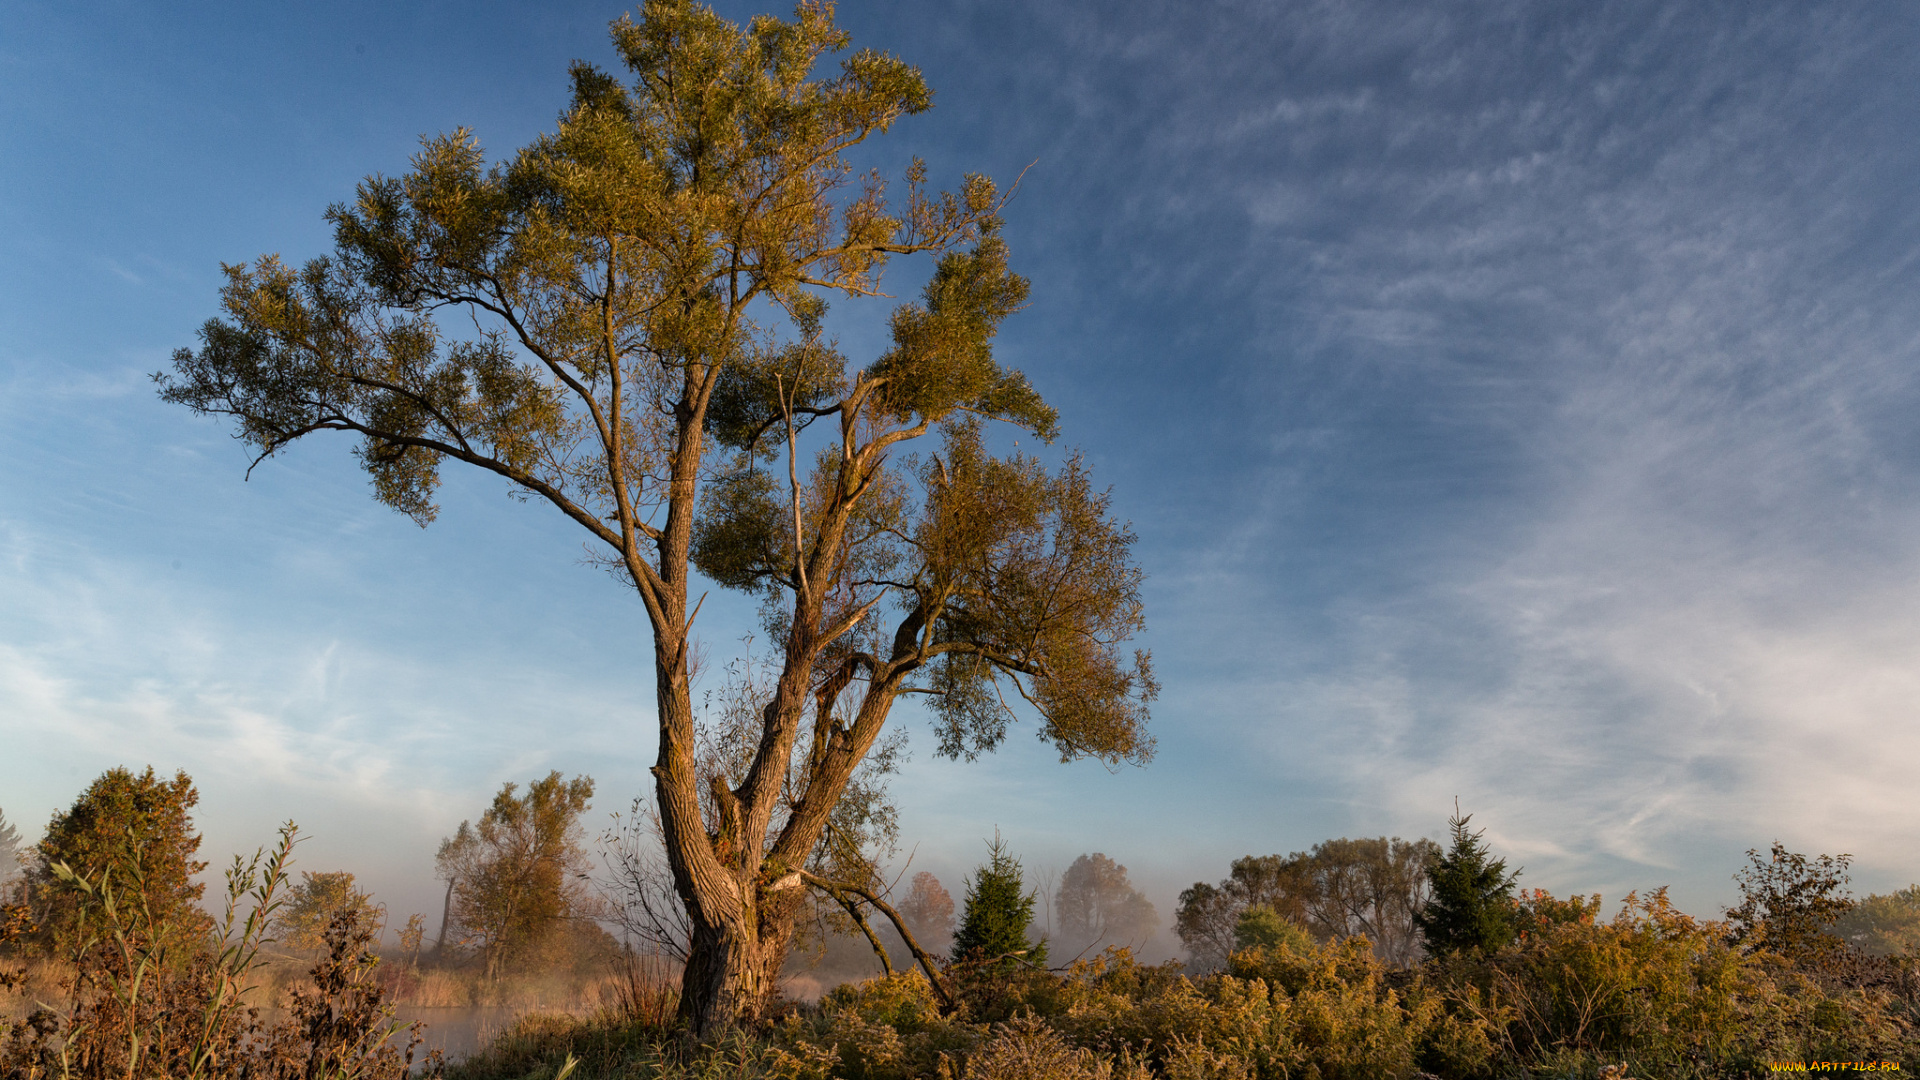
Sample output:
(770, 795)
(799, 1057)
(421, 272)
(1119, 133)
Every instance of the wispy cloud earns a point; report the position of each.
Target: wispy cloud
(1612, 360)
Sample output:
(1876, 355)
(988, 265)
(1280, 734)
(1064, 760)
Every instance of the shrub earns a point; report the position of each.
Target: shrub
(1345, 1018)
(1264, 927)
(1027, 1049)
(1669, 995)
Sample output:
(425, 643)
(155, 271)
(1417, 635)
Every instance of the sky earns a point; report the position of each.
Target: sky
(1513, 402)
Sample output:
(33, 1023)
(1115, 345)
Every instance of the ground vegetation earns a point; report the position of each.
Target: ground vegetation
(1649, 992)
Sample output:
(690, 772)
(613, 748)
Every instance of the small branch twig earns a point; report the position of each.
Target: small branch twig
(838, 889)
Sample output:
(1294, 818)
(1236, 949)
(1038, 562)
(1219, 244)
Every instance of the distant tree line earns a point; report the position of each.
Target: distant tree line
(1340, 888)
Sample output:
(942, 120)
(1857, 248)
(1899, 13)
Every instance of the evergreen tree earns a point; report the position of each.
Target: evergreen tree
(998, 910)
(1472, 906)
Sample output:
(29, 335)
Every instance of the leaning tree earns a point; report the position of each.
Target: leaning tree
(626, 320)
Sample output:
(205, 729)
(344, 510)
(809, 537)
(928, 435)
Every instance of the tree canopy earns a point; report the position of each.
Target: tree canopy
(928, 910)
(1790, 903)
(312, 905)
(1340, 888)
(1883, 924)
(1097, 904)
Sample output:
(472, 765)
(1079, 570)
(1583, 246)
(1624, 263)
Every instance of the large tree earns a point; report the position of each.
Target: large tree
(625, 321)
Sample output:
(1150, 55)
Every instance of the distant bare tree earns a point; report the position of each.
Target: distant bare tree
(411, 937)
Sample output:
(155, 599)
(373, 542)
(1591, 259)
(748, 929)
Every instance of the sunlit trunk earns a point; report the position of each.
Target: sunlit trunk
(727, 980)
(732, 972)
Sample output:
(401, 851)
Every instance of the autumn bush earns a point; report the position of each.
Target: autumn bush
(1669, 995)
(149, 989)
(1651, 989)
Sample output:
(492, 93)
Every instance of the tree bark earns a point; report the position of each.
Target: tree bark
(724, 981)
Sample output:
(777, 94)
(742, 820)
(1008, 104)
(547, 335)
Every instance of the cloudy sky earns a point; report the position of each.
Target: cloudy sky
(1514, 402)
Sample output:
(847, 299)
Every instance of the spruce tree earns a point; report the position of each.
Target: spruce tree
(998, 910)
(1472, 905)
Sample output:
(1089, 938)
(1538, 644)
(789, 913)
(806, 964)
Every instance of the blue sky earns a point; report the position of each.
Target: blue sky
(1513, 402)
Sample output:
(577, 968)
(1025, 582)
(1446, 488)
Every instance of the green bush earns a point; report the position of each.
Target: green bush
(1263, 926)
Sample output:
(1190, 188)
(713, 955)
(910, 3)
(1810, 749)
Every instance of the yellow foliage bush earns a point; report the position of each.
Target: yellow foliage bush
(1663, 993)
(1669, 996)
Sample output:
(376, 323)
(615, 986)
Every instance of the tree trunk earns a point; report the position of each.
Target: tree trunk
(730, 975)
(725, 982)
(446, 909)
